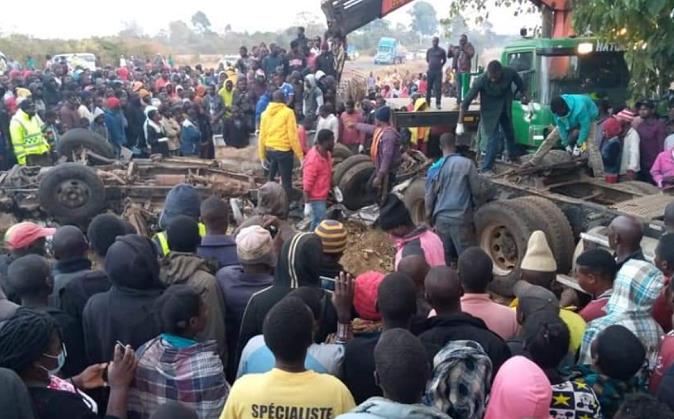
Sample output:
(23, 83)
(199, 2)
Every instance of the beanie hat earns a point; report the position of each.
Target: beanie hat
(611, 127)
(539, 257)
(254, 246)
(626, 115)
(333, 236)
(113, 103)
(393, 213)
(383, 114)
(182, 199)
(365, 295)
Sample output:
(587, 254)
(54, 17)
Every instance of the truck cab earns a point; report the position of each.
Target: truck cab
(388, 51)
(553, 66)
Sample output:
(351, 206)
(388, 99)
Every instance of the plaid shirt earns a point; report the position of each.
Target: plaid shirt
(461, 380)
(193, 375)
(635, 290)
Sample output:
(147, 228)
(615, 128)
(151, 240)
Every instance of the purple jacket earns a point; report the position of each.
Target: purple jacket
(219, 248)
(652, 133)
(388, 155)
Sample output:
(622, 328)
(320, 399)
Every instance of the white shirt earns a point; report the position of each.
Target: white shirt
(330, 122)
(630, 157)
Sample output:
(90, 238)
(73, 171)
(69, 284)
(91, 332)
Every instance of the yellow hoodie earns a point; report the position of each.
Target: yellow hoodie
(278, 131)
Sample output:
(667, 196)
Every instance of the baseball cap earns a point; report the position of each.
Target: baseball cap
(24, 234)
(533, 298)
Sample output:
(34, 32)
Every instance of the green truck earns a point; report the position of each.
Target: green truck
(555, 66)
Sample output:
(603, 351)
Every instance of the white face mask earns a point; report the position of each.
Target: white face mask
(61, 360)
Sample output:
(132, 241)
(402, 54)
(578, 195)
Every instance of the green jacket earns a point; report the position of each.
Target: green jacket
(494, 98)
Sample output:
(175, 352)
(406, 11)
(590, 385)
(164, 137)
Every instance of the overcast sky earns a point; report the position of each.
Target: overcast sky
(84, 18)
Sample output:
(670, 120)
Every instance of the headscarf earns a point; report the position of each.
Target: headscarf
(272, 200)
(419, 132)
(299, 262)
(461, 380)
(611, 127)
(227, 95)
(520, 390)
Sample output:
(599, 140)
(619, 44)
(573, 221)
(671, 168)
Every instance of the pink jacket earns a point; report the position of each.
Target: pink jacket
(663, 167)
(317, 175)
(500, 319)
(429, 242)
(520, 390)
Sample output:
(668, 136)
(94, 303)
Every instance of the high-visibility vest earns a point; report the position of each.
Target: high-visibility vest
(162, 240)
(27, 137)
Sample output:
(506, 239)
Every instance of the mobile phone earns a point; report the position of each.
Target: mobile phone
(327, 283)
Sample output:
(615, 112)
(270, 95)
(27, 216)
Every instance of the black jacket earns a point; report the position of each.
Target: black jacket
(124, 313)
(358, 368)
(462, 326)
(80, 289)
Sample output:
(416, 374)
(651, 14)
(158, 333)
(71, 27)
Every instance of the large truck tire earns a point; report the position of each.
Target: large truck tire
(414, 199)
(77, 139)
(354, 186)
(340, 153)
(72, 193)
(345, 165)
(550, 219)
(503, 233)
(636, 186)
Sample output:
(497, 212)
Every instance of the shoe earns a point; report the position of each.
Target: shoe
(488, 173)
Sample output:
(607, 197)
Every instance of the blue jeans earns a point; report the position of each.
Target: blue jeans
(456, 237)
(318, 210)
(503, 129)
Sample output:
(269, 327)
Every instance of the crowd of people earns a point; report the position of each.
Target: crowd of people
(258, 320)
(208, 320)
(158, 107)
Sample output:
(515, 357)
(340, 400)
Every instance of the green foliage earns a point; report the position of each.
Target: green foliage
(200, 22)
(424, 18)
(645, 28)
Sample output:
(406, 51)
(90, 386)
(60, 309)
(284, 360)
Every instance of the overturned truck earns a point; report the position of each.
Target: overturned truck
(73, 193)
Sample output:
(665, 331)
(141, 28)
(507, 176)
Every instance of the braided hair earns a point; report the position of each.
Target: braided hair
(24, 338)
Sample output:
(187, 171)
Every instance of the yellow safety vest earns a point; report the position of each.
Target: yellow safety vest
(27, 137)
(162, 239)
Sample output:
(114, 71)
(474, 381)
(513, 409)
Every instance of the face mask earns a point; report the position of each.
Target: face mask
(61, 360)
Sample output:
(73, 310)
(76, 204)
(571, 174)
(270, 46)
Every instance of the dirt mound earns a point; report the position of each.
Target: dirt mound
(367, 249)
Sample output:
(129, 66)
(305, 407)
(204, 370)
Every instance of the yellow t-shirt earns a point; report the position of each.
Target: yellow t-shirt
(282, 395)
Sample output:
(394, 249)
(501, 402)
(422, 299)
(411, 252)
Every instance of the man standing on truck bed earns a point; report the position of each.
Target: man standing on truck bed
(463, 54)
(575, 125)
(436, 59)
(496, 97)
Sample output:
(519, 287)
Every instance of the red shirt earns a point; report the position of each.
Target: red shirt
(350, 136)
(662, 310)
(123, 73)
(317, 175)
(160, 83)
(665, 360)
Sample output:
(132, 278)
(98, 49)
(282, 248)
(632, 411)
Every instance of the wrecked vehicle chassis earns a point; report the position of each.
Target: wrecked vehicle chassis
(73, 193)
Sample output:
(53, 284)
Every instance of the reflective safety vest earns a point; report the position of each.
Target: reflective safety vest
(162, 240)
(27, 137)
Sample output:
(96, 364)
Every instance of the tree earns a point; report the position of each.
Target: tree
(424, 18)
(200, 22)
(179, 32)
(644, 28)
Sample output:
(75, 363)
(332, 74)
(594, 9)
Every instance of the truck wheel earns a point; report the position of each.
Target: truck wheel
(74, 141)
(71, 193)
(503, 232)
(414, 199)
(550, 219)
(341, 168)
(354, 186)
(340, 153)
(635, 186)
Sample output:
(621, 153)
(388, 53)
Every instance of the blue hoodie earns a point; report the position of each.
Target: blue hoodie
(582, 112)
(381, 408)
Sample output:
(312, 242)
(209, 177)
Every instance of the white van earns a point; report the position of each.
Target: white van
(79, 59)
